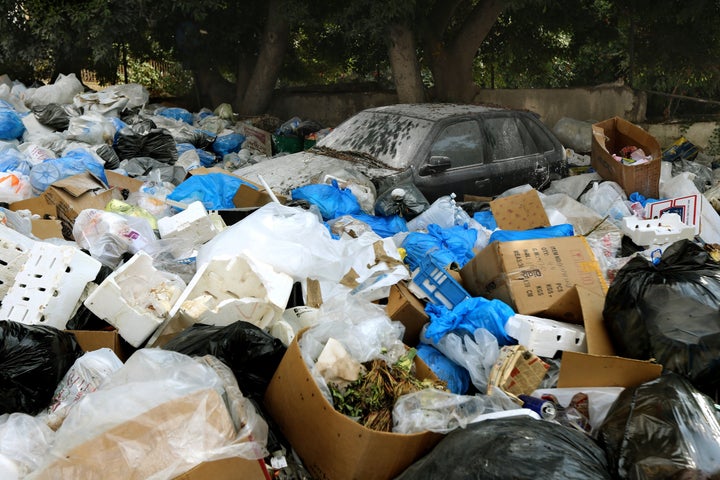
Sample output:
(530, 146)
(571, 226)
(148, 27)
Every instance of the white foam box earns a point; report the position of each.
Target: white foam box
(135, 298)
(49, 285)
(545, 337)
(657, 231)
(14, 250)
(193, 223)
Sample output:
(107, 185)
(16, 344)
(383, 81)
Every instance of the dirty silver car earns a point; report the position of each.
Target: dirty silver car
(441, 148)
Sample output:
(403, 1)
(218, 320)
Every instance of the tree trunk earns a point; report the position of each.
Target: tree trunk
(404, 63)
(275, 39)
(451, 61)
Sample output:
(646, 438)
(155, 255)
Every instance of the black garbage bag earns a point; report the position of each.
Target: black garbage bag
(142, 166)
(405, 200)
(669, 312)
(514, 447)
(662, 429)
(106, 152)
(158, 144)
(55, 115)
(252, 354)
(33, 360)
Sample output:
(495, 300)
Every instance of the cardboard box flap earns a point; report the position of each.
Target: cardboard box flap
(616, 133)
(522, 211)
(585, 370)
(38, 205)
(121, 181)
(77, 185)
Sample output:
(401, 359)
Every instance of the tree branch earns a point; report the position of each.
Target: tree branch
(477, 26)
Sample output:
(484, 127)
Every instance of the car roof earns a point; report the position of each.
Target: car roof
(434, 111)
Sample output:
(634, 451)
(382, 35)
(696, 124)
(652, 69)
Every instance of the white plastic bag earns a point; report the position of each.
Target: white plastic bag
(443, 412)
(24, 441)
(92, 128)
(85, 376)
(62, 91)
(14, 187)
(607, 199)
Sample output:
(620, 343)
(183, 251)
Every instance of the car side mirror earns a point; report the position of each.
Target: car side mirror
(436, 164)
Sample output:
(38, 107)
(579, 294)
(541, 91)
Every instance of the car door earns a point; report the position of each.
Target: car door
(487, 155)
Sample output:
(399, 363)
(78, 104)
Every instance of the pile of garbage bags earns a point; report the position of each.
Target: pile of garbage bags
(162, 317)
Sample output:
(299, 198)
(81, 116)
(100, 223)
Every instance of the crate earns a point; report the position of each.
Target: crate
(545, 337)
(432, 281)
(14, 250)
(49, 285)
(668, 228)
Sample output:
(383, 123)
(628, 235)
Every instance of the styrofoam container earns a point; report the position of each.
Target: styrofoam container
(136, 298)
(193, 223)
(49, 285)
(14, 250)
(545, 337)
(668, 228)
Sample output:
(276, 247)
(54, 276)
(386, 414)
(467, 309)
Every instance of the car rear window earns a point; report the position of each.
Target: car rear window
(391, 139)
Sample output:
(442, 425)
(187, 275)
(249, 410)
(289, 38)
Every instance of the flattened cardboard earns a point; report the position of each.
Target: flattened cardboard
(257, 139)
(584, 370)
(330, 444)
(44, 229)
(531, 275)
(608, 138)
(228, 469)
(522, 211)
(38, 205)
(407, 309)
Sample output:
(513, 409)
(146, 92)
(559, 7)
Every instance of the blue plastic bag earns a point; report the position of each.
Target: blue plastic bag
(469, 315)
(383, 226)
(332, 200)
(176, 113)
(72, 163)
(119, 125)
(563, 230)
(457, 378)
(11, 126)
(228, 143)
(207, 159)
(214, 190)
(486, 219)
(12, 160)
(447, 245)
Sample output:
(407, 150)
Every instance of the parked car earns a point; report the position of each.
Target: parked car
(441, 148)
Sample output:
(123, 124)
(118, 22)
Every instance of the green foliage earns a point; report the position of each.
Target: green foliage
(166, 79)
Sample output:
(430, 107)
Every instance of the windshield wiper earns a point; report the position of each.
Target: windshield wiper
(353, 156)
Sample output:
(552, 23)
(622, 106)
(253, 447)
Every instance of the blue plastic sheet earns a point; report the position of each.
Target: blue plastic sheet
(12, 160)
(176, 113)
(228, 143)
(331, 200)
(72, 163)
(11, 126)
(447, 245)
(468, 316)
(486, 219)
(563, 230)
(383, 226)
(457, 378)
(214, 190)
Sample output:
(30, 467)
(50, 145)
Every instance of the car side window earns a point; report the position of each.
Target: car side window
(508, 137)
(461, 143)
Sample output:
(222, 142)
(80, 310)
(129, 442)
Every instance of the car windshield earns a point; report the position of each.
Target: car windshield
(389, 138)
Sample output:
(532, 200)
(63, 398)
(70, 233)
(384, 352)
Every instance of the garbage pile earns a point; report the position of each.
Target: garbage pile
(164, 318)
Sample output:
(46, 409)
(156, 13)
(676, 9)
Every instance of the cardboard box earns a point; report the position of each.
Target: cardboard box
(149, 437)
(46, 228)
(91, 340)
(608, 138)
(38, 205)
(123, 182)
(407, 309)
(228, 469)
(73, 194)
(531, 276)
(330, 444)
(521, 211)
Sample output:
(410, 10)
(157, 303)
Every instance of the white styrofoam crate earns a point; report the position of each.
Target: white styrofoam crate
(545, 337)
(14, 250)
(193, 223)
(136, 298)
(49, 285)
(657, 231)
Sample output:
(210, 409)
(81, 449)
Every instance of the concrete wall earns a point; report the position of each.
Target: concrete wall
(590, 104)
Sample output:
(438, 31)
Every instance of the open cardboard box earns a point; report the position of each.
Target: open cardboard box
(90, 340)
(407, 309)
(330, 444)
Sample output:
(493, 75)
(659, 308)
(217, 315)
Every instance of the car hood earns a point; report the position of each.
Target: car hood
(286, 172)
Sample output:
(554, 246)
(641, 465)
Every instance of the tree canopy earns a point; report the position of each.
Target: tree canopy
(238, 52)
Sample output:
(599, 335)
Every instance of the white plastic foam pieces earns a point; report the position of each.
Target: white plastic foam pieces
(14, 250)
(49, 285)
